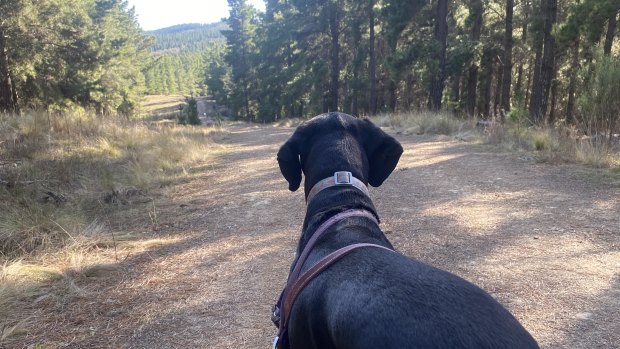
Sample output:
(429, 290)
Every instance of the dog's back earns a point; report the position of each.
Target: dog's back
(377, 299)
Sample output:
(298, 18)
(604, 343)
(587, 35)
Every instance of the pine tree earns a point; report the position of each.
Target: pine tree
(75, 52)
(507, 60)
(240, 38)
(441, 42)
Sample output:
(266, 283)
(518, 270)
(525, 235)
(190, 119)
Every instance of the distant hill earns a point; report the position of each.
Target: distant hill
(189, 37)
(179, 57)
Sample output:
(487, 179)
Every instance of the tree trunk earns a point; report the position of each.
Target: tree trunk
(408, 98)
(472, 83)
(472, 79)
(455, 93)
(246, 100)
(548, 62)
(507, 63)
(497, 97)
(611, 32)
(554, 95)
(372, 64)
(485, 83)
(334, 26)
(393, 97)
(8, 93)
(354, 101)
(570, 105)
(537, 90)
(519, 83)
(528, 84)
(441, 39)
(526, 14)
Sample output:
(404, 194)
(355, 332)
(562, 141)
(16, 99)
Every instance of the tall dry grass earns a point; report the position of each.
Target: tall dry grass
(56, 172)
(549, 143)
(63, 178)
(426, 122)
(559, 144)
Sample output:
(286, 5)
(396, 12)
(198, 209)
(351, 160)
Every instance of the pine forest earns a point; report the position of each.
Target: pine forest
(543, 61)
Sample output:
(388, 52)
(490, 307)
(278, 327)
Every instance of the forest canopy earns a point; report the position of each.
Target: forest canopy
(58, 54)
(539, 61)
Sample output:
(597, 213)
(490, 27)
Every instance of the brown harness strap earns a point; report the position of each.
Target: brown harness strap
(321, 231)
(301, 282)
(316, 269)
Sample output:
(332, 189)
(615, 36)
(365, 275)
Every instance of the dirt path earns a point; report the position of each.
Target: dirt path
(544, 241)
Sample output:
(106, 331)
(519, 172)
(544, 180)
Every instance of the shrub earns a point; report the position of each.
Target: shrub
(192, 111)
(600, 102)
(189, 113)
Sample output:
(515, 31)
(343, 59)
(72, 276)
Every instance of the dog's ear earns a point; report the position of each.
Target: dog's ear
(383, 153)
(288, 160)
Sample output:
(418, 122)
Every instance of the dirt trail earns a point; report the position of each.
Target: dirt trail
(543, 241)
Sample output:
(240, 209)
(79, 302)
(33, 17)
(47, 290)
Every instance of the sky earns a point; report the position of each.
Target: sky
(156, 14)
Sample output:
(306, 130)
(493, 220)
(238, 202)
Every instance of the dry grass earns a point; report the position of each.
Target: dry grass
(425, 122)
(58, 172)
(162, 107)
(289, 122)
(555, 144)
(54, 280)
(63, 179)
(547, 144)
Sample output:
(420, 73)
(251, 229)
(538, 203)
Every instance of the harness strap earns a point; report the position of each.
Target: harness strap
(320, 232)
(281, 341)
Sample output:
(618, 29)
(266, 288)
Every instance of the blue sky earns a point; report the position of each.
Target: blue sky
(155, 14)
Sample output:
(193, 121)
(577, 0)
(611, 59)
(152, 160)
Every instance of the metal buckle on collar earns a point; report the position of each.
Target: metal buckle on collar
(343, 178)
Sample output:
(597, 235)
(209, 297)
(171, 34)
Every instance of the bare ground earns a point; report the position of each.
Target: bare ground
(541, 238)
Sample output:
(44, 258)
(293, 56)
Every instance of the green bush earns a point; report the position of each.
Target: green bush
(600, 102)
(192, 111)
(189, 113)
(518, 115)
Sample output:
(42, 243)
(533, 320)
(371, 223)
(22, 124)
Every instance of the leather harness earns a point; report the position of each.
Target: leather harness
(297, 280)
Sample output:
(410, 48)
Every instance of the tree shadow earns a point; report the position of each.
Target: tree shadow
(522, 231)
(597, 325)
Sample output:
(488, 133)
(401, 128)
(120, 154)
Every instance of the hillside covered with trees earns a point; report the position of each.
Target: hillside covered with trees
(187, 37)
(59, 55)
(179, 55)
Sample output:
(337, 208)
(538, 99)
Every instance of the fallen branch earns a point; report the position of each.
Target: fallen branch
(9, 184)
(5, 162)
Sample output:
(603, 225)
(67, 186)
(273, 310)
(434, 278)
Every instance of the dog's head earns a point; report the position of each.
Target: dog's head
(338, 142)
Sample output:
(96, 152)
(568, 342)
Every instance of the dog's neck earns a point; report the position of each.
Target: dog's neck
(332, 201)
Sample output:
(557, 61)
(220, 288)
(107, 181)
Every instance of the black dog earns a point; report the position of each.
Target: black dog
(373, 298)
